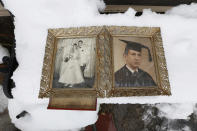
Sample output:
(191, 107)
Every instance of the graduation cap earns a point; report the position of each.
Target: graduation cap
(130, 45)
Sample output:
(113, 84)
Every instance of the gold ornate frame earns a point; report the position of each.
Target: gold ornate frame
(104, 82)
(46, 89)
(163, 86)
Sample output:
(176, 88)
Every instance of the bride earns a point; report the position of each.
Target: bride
(70, 72)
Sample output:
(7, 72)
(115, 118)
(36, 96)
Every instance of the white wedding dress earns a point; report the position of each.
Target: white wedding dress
(70, 72)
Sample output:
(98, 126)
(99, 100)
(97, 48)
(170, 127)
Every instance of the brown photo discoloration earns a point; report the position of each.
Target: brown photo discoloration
(119, 60)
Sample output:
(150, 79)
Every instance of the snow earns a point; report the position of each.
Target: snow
(3, 52)
(176, 110)
(187, 11)
(34, 17)
(186, 128)
(3, 100)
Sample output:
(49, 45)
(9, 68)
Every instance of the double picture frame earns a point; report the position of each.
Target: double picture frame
(104, 61)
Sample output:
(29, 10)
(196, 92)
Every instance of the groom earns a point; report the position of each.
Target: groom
(83, 61)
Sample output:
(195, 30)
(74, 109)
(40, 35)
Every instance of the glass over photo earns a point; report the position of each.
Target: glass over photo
(133, 62)
(74, 65)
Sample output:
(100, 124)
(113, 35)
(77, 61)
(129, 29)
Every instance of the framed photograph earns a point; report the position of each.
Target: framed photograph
(139, 65)
(69, 74)
(104, 61)
(69, 67)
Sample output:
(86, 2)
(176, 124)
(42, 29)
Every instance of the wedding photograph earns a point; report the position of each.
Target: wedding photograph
(74, 64)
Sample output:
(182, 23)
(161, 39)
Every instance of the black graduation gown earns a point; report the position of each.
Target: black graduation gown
(125, 78)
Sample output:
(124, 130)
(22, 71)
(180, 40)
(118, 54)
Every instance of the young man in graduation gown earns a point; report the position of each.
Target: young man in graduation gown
(130, 75)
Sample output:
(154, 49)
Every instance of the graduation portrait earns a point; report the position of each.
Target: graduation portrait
(74, 64)
(133, 62)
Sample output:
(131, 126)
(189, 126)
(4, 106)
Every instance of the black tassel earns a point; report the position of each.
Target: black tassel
(150, 58)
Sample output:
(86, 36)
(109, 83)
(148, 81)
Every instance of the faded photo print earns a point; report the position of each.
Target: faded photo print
(75, 63)
(133, 62)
